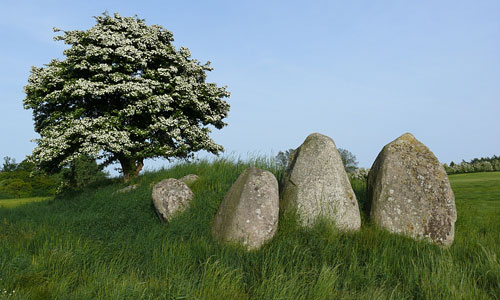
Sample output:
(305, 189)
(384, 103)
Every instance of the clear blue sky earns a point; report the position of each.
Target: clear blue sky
(361, 72)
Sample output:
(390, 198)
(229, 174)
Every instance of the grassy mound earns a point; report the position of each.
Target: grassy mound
(99, 244)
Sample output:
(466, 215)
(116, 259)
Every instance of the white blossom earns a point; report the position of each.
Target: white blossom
(124, 93)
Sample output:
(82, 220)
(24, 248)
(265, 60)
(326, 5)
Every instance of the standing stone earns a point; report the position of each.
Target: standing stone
(409, 192)
(248, 214)
(189, 179)
(171, 196)
(316, 184)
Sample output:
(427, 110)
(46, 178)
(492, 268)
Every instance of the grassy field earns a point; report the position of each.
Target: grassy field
(102, 245)
(9, 203)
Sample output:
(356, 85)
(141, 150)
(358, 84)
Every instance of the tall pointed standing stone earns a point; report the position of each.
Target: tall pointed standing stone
(409, 192)
(316, 184)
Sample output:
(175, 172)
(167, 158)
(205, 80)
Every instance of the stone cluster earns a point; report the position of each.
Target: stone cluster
(408, 193)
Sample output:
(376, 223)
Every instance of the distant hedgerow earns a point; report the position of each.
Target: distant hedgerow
(483, 164)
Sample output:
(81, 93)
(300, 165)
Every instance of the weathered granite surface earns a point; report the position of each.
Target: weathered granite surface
(409, 192)
(316, 184)
(171, 196)
(249, 212)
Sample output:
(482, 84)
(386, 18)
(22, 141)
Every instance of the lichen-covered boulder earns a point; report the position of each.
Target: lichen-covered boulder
(409, 192)
(171, 196)
(316, 184)
(249, 212)
(189, 179)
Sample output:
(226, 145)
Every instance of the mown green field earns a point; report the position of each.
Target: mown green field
(9, 203)
(102, 245)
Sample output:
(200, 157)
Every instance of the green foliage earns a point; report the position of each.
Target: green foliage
(283, 158)
(483, 164)
(15, 188)
(348, 159)
(9, 164)
(103, 245)
(123, 93)
(23, 180)
(18, 181)
(82, 172)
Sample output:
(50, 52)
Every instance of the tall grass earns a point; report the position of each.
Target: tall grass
(99, 244)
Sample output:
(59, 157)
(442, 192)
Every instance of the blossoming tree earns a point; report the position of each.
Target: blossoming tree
(122, 94)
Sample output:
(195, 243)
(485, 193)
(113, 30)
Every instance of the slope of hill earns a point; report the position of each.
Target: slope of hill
(101, 245)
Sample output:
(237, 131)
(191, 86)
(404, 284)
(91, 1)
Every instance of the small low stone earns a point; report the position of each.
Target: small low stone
(128, 188)
(189, 179)
(170, 197)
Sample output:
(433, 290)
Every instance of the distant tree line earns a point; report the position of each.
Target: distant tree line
(16, 181)
(21, 180)
(483, 164)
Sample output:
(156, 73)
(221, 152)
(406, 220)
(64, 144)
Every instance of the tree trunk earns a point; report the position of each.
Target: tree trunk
(72, 175)
(131, 168)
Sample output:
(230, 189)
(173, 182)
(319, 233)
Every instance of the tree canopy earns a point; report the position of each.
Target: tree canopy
(123, 93)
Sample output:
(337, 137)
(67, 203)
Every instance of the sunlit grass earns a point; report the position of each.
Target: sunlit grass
(105, 245)
(20, 201)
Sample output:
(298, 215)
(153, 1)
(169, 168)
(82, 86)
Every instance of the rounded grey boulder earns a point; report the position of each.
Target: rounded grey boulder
(171, 196)
(409, 192)
(249, 212)
(316, 184)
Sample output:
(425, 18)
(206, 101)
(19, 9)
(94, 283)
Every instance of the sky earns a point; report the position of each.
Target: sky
(360, 72)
